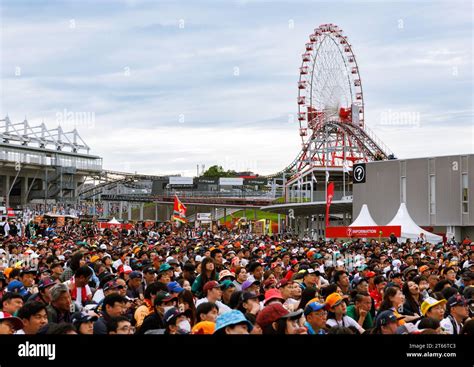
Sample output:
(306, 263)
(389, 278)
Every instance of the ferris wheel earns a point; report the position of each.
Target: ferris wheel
(331, 104)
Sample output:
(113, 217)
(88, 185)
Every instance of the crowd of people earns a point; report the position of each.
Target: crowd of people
(77, 279)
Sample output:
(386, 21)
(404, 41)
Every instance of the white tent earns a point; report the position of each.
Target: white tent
(113, 221)
(364, 218)
(409, 228)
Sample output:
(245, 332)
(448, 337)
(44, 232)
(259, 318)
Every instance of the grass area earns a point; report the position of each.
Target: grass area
(293, 200)
(249, 214)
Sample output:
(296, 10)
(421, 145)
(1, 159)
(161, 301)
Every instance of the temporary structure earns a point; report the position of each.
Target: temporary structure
(364, 218)
(409, 228)
(113, 221)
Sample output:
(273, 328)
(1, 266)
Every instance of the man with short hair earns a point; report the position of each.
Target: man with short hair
(255, 270)
(458, 312)
(310, 278)
(34, 317)
(213, 292)
(114, 305)
(341, 278)
(56, 270)
(60, 307)
(316, 317)
(386, 323)
(119, 325)
(134, 285)
(79, 287)
(218, 257)
(11, 302)
(360, 311)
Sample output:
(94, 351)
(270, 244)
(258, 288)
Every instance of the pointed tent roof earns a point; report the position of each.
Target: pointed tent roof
(409, 228)
(364, 218)
(113, 221)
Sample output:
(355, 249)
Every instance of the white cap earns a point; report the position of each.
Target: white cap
(103, 246)
(198, 258)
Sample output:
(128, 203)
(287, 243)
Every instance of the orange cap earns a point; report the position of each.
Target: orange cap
(333, 300)
(204, 327)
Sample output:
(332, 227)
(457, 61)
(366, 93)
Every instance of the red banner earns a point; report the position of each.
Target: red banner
(330, 194)
(361, 232)
(179, 211)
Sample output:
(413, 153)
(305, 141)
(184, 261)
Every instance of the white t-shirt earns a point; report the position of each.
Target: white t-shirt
(345, 322)
(98, 296)
(447, 325)
(222, 307)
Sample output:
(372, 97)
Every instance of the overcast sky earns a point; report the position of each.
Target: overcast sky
(167, 85)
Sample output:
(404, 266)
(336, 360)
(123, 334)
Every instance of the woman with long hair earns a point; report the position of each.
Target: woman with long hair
(186, 305)
(393, 299)
(208, 273)
(411, 308)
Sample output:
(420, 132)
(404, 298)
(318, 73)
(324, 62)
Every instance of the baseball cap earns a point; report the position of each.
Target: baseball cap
(249, 283)
(274, 312)
(210, 285)
(284, 282)
(45, 283)
(457, 300)
(225, 273)
(424, 268)
(429, 303)
(245, 296)
(126, 269)
(16, 321)
(78, 318)
(272, 294)
(313, 307)
(230, 318)
(171, 315)
(226, 284)
(174, 287)
(386, 317)
(149, 269)
(204, 327)
(370, 274)
(311, 271)
(163, 296)
(111, 284)
(164, 267)
(333, 300)
(135, 274)
(103, 246)
(18, 287)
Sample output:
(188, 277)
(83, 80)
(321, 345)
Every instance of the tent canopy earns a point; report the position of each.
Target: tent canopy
(113, 221)
(364, 218)
(409, 228)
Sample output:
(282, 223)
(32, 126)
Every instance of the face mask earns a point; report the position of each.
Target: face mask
(166, 308)
(185, 326)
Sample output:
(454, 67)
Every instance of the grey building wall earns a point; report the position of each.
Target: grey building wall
(382, 190)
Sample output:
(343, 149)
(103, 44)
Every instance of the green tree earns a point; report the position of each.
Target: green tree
(218, 171)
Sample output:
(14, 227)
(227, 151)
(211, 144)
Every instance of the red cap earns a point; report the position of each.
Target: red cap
(210, 285)
(272, 294)
(369, 274)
